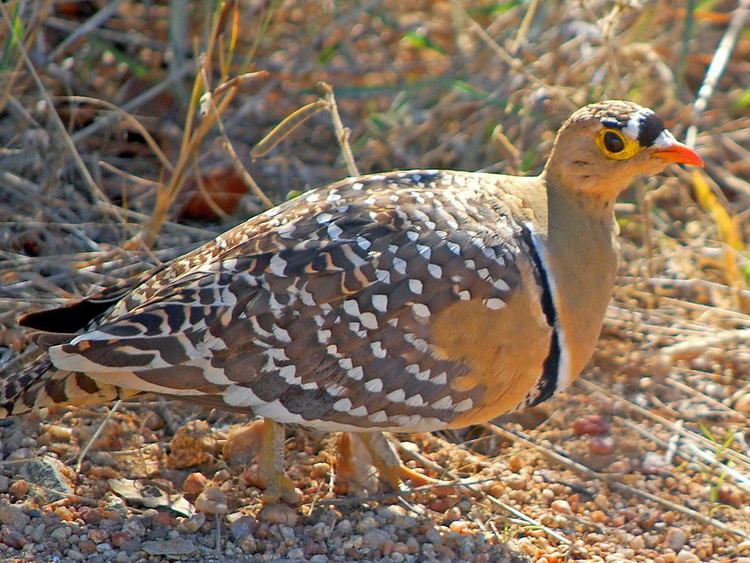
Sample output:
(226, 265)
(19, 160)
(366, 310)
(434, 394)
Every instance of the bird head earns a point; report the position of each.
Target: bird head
(602, 147)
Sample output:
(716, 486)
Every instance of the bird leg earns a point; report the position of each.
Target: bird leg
(392, 472)
(355, 474)
(278, 486)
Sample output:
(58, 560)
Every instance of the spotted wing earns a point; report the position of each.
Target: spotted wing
(321, 312)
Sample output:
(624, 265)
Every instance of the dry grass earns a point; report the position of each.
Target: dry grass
(118, 154)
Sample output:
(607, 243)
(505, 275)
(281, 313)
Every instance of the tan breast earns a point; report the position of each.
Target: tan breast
(505, 349)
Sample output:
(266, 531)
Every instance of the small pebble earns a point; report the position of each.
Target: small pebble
(193, 523)
(243, 444)
(412, 545)
(278, 514)
(460, 527)
(619, 466)
(212, 501)
(676, 539)
(400, 547)
(97, 535)
(194, 483)
(742, 404)
(367, 523)
(715, 390)
(375, 538)
(19, 488)
(441, 504)
(731, 495)
(61, 534)
(517, 482)
(687, 557)
(601, 445)
(13, 516)
(222, 475)
(433, 536)
(599, 517)
(120, 538)
(344, 528)
(153, 421)
(561, 506)
(192, 444)
(602, 502)
(12, 538)
(91, 516)
(248, 544)
(319, 470)
(65, 514)
(590, 425)
(515, 463)
(242, 527)
(453, 513)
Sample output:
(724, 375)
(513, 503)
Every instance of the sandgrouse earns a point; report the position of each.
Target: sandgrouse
(405, 301)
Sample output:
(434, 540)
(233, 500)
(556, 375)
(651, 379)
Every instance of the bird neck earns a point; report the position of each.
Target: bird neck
(584, 177)
(582, 250)
(591, 202)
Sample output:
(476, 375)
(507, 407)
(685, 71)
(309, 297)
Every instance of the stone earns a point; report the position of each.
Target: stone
(561, 506)
(590, 425)
(212, 501)
(278, 514)
(375, 538)
(13, 516)
(61, 534)
(243, 527)
(19, 488)
(742, 404)
(192, 524)
(192, 444)
(685, 556)
(194, 483)
(12, 538)
(676, 539)
(49, 473)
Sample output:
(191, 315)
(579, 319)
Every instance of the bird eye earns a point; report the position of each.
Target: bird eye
(613, 142)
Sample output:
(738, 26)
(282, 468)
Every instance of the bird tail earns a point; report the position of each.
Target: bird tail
(39, 386)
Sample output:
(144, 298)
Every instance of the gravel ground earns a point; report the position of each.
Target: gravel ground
(645, 459)
(49, 512)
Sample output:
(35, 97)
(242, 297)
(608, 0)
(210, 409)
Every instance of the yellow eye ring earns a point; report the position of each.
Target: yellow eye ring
(614, 144)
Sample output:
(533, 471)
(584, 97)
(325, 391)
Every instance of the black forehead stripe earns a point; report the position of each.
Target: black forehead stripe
(614, 122)
(650, 127)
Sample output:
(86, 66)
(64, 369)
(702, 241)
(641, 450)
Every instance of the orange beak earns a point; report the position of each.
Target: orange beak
(679, 153)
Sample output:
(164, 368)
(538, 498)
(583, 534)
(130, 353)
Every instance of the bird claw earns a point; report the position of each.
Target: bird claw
(392, 473)
(280, 488)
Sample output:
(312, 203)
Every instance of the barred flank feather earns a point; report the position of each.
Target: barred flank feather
(39, 385)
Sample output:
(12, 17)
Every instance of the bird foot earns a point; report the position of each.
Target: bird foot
(360, 454)
(280, 488)
(271, 476)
